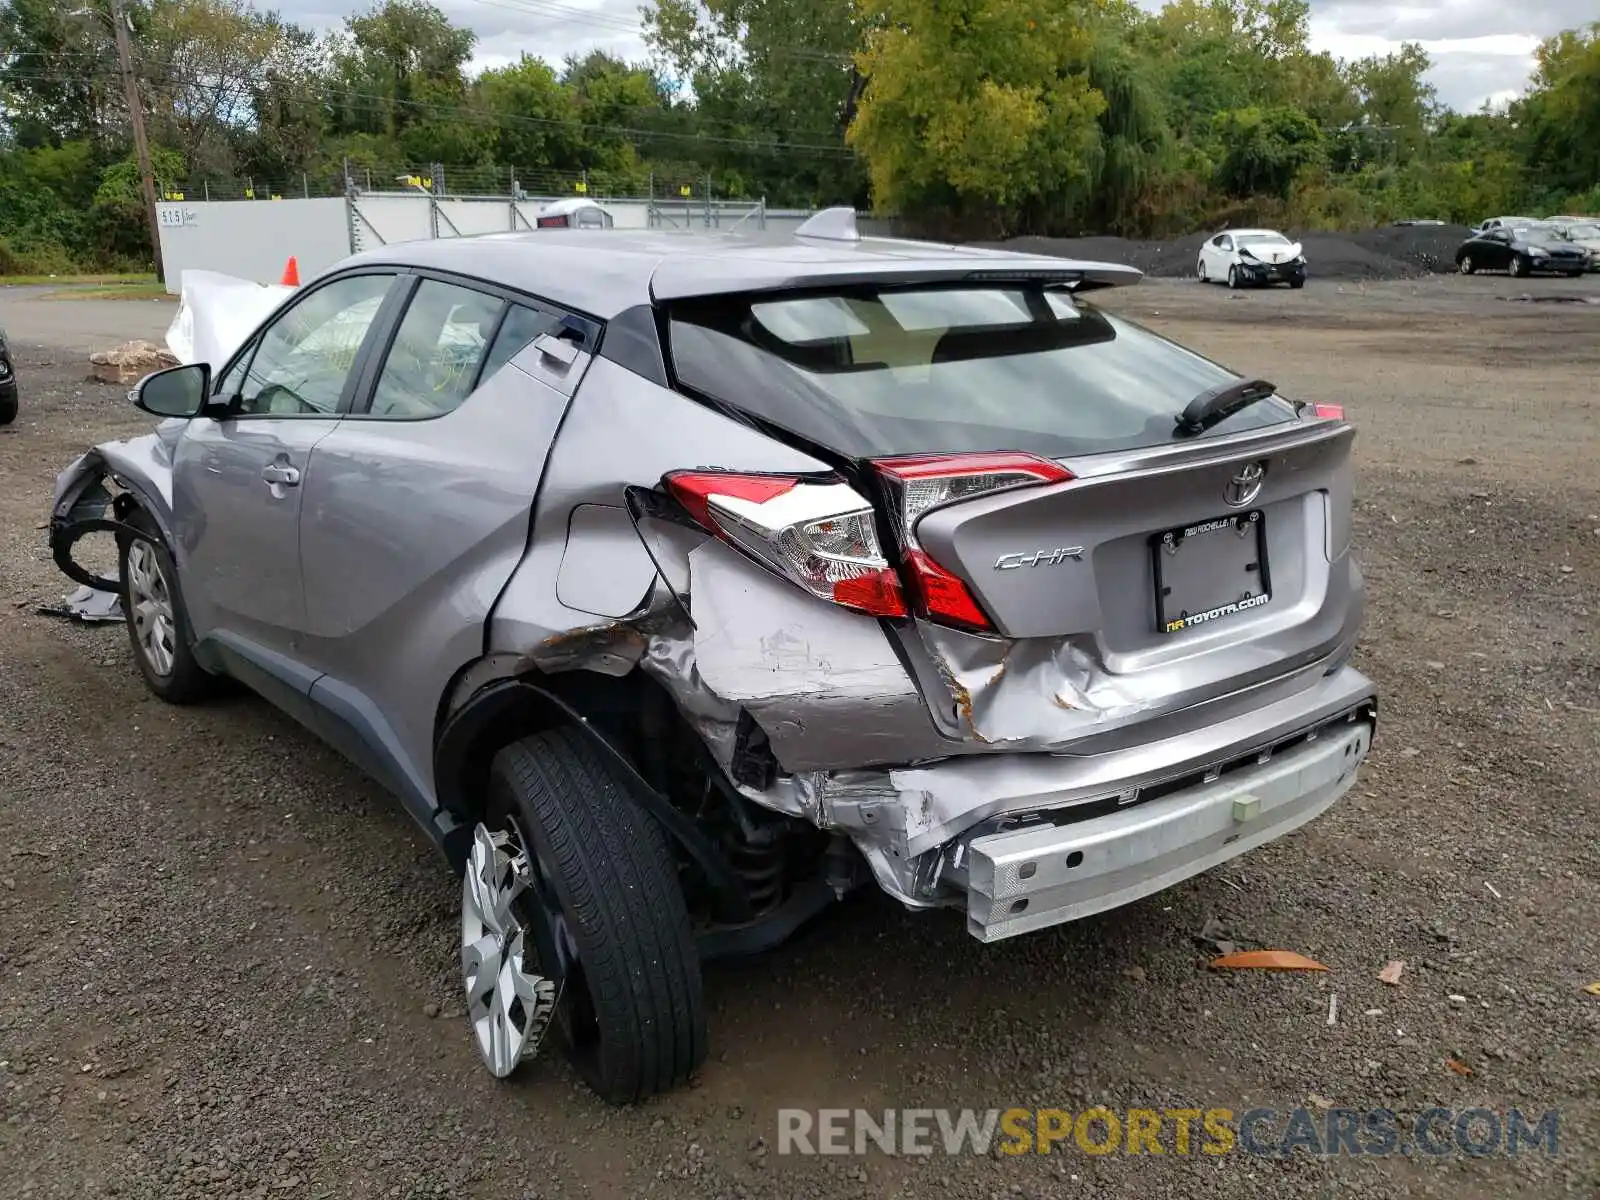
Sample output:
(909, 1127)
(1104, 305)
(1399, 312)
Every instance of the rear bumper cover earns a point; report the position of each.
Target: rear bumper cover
(958, 833)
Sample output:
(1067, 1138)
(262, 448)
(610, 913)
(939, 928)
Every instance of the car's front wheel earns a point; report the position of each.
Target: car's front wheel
(1298, 282)
(158, 625)
(1200, 271)
(1233, 277)
(572, 915)
(1519, 266)
(1466, 265)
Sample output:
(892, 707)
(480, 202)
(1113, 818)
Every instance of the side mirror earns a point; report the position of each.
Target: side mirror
(174, 392)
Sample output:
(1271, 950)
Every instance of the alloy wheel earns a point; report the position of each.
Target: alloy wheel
(1466, 264)
(150, 603)
(510, 1003)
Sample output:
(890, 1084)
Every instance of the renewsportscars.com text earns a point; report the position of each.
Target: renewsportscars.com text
(1263, 1132)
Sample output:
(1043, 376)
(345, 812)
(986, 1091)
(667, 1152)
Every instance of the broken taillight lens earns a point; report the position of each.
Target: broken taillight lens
(920, 483)
(820, 535)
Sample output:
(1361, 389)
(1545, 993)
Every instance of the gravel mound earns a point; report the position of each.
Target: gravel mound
(1393, 252)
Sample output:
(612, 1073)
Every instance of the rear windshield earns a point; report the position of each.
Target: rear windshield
(870, 372)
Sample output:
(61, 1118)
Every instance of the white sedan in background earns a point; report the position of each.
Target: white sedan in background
(1241, 257)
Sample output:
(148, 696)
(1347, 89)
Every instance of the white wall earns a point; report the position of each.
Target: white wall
(251, 239)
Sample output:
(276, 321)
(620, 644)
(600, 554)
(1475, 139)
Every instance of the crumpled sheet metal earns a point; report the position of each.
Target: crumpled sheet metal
(822, 682)
(1040, 691)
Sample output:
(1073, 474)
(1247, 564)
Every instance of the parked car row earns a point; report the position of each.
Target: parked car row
(1565, 245)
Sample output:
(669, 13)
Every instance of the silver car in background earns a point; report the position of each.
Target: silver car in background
(679, 585)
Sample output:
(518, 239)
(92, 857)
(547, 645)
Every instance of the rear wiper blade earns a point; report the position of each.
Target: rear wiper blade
(1220, 403)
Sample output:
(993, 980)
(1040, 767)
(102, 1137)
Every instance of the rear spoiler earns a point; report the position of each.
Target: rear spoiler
(826, 251)
(715, 277)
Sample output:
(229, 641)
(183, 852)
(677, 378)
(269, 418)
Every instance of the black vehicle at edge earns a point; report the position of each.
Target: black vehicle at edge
(1522, 250)
(8, 383)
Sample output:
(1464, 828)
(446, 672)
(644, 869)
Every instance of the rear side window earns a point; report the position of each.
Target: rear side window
(519, 328)
(433, 362)
(871, 372)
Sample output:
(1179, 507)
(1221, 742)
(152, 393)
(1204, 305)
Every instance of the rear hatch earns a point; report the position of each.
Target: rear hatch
(1048, 518)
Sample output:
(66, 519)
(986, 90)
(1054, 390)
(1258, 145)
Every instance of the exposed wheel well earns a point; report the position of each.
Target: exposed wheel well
(740, 862)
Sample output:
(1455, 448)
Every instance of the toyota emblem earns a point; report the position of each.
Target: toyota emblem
(1245, 485)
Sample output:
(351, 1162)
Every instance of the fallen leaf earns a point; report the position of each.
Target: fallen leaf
(1391, 973)
(1266, 960)
(1134, 973)
(1593, 989)
(1459, 1067)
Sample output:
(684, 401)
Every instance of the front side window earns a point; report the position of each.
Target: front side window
(303, 359)
(433, 364)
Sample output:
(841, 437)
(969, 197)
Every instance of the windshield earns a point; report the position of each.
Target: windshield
(1261, 239)
(870, 371)
(1584, 230)
(1536, 230)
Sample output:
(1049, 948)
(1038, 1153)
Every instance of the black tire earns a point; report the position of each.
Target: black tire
(1233, 278)
(632, 1014)
(1465, 266)
(186, 682)
(1519, 266)
(1574, 274)
(1297, 283)
(8, 404)
(1200, 271)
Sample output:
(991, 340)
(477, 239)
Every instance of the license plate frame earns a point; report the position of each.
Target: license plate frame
(1188, 595)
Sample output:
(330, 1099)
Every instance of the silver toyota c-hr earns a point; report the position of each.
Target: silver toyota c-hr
(680, 584)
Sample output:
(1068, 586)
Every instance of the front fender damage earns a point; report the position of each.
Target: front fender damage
(97, 492)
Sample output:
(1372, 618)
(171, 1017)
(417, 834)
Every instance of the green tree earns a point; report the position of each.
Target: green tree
(985, 109)
(1265, 150)
(396, 65)
(533, 118)
(1398, 105)
(1560, 117)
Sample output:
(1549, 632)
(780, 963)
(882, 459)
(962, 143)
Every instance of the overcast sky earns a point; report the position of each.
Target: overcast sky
(1482, 49)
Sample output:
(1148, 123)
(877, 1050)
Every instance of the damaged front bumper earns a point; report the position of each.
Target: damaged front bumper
(1025, 841)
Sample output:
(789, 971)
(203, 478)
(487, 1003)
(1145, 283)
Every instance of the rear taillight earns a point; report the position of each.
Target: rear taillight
(1327, 412)
(921, 483)
(821, 535)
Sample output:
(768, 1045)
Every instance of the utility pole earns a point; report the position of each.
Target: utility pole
(141, 147)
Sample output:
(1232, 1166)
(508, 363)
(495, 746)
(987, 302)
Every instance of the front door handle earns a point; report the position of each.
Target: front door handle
(277, 473)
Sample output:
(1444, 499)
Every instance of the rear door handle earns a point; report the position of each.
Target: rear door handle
(288, 476)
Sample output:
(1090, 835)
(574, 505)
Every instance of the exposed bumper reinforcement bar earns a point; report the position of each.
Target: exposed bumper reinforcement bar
(1025, 879)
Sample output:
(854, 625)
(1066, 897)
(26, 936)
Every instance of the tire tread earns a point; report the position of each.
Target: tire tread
(618, 883)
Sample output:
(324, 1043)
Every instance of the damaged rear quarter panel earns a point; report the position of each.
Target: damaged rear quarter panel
(823, 682)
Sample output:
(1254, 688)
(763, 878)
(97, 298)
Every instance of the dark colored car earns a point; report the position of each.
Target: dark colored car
(8, 383)
(1521, 250)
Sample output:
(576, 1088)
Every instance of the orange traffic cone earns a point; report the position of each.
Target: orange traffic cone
(291, 273)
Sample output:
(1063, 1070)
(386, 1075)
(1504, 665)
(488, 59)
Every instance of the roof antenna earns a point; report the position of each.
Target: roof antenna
(830, 225)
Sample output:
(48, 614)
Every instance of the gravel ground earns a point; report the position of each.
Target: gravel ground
(227, 961)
